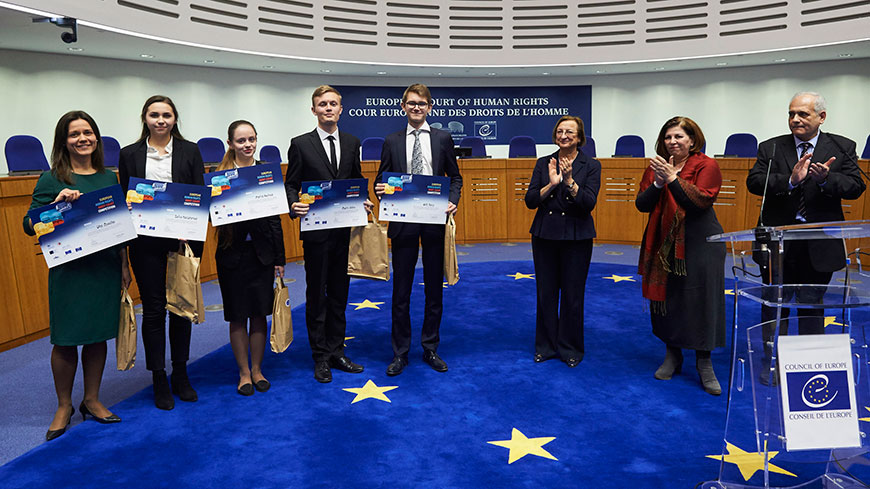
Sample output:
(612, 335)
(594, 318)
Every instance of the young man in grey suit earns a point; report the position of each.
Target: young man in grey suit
(418, 149)
(809, 173)
(324, 154)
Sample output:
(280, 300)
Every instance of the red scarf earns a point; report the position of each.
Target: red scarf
(663, 250)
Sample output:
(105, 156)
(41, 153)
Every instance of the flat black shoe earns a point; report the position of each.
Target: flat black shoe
(246, 389)
(52, 434)
(162, 394)
(434, 361)
(396, 366)
(539, 358)
(262, 385)
(83, 408)
(344, 364)
(322, 373)
(573, 361)
(181, 385)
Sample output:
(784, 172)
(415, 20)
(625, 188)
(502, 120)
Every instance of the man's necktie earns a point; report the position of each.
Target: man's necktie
(802, 202)
(332, 157)
(417, 155)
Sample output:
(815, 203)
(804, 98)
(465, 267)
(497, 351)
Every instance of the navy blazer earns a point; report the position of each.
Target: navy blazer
(394, 158)
(822, 201)
(307, 161)
(187, 167)
(560, 216)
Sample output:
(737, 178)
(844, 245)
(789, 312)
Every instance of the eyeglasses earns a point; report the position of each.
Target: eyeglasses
(566, 133)
(413, 103)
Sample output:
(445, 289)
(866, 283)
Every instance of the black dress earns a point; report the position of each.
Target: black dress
(695, 313)
(246, 268)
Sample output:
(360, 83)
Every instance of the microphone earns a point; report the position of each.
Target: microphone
(762, 236)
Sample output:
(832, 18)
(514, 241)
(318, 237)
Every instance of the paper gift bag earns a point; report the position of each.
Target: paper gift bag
(367, 255)
(125, 343)
(183, 290)
(451, 266)
(282, 323)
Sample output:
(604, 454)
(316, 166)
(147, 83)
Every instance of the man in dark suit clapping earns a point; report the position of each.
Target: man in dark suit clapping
(418, 149)
(324, 154)
(810, 172)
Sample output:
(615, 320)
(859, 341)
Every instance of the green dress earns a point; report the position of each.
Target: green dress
(84, 295)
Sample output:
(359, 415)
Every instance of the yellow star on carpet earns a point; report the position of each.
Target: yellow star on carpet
(520, 446)
(831, 320)
(865, 419)
(620, 278)
(347, 338)
(366, 304)
(519, 275)
(749, 462)
(729, 291)
(370, 391)
(443, 284)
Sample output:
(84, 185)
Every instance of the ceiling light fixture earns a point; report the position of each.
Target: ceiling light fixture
(268, 67)
(845, 55)
(325, 71)
(382, 72)
(780, 60)
(146, 56)
(76, 50)
(208, 61)
(721, 63)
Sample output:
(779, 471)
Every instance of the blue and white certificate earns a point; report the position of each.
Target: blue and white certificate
(415, 198)
(246, 193)
(334, 204)
(95, 221)
(169, 210)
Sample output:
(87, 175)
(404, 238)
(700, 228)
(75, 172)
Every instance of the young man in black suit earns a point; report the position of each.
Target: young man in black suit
(810, 171)
(418, 149)
(324, 154)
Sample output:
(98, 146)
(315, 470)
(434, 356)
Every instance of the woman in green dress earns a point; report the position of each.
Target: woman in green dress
(83, 294)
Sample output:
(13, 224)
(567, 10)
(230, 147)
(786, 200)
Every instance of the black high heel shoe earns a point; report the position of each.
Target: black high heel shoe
(52, 434)
(107, 420)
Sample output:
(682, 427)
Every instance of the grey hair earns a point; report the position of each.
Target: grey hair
(820, 104)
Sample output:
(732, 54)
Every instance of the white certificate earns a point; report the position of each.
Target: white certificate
(415, 198)
(95, 221)
(334, 204)
(247, 193)
(169, 210)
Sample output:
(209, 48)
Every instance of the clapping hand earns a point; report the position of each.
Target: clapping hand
(819, 171)
(801, 169)
(555, 178)
(566, 167)
(664, 171)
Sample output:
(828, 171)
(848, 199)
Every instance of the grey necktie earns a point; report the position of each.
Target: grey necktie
(802, 202)
(417, 155)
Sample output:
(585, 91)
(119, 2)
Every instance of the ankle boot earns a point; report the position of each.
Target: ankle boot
(162, 395)
(672, 364)
(708, 376)
(181, 383)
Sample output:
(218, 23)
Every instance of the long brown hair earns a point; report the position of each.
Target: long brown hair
(175, 132)
(61, 167)
(230, 156)
(224, 234)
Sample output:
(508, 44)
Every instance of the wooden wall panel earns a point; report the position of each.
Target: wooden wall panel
(483, 186)
(617, 220)
(10, 300)
(519, 217)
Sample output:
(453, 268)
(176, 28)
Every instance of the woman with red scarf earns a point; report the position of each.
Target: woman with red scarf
(683, 274)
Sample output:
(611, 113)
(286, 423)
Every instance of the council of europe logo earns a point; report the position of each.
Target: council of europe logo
(486, 129)
(818, 391)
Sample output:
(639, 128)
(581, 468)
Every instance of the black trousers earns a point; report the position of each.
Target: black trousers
(561, 268)
(797, 269)
(148, 258)
(405, 248)
(326, 286)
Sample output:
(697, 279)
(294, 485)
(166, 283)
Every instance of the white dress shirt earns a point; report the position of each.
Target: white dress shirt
(323, 135)
(425, 144)
(158, 167)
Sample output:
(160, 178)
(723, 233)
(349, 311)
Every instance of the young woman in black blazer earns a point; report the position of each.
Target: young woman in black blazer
(161, 154)
(249, 255)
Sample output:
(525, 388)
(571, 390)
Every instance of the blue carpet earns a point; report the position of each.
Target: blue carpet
(612, 423)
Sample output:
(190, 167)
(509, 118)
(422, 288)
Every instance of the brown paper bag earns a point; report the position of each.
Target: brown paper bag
(367, 255)
(282, 323)
(183, 290)
(125, 343)
(451, 265)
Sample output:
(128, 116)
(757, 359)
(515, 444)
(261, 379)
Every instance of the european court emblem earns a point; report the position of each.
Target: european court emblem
(818, 392)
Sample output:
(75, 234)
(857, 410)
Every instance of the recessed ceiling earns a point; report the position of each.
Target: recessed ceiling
(19, 32)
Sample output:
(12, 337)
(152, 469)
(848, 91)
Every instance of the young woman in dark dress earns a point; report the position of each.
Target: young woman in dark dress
(250, 254)
(161, 154)
(83, 294)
